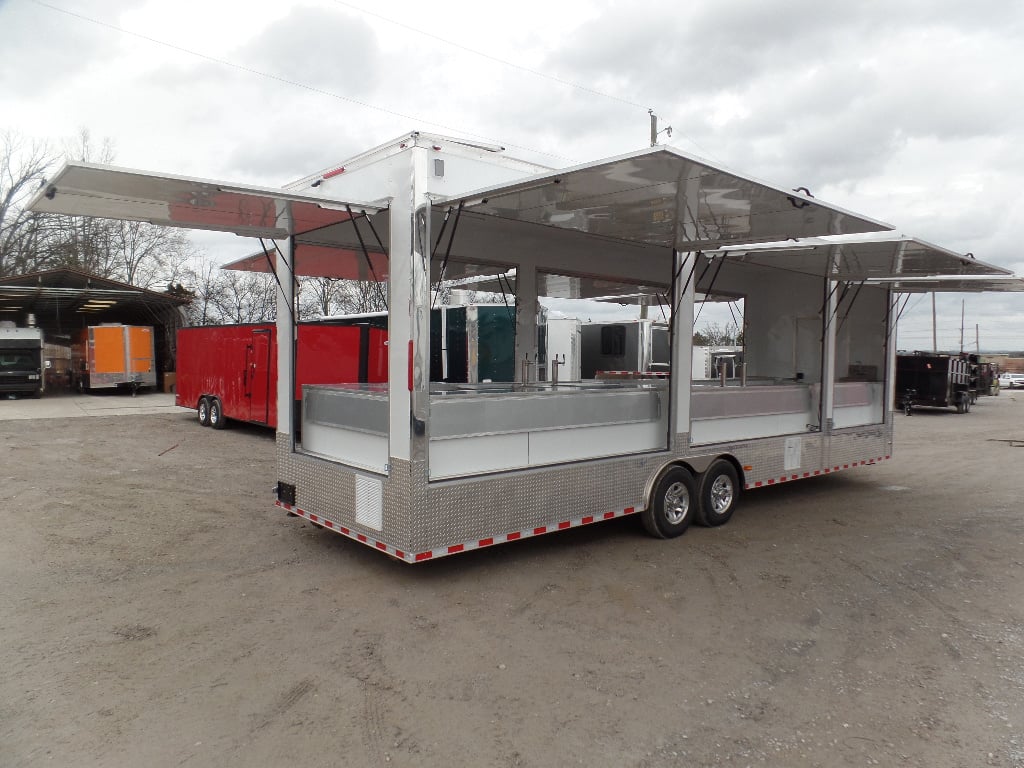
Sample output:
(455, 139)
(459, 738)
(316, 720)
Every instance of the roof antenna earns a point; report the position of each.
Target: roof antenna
(654, 129)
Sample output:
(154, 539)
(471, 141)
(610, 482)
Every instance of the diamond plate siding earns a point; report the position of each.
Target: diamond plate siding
(420, 516)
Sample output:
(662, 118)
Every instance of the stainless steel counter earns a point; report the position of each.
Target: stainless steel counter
(533, 408)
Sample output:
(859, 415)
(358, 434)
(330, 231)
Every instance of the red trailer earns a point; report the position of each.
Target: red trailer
(230, 371)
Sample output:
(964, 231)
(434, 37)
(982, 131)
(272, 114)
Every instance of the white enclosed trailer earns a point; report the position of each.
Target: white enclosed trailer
(420, 470)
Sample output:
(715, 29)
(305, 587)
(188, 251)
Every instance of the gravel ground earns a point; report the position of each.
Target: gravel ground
(157, 610)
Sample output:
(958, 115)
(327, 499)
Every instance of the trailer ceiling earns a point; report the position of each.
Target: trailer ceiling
(662, 197)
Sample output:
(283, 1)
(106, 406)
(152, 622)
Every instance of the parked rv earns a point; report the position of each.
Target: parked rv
(21, 360)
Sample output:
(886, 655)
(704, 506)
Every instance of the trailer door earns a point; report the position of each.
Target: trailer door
(257, 376)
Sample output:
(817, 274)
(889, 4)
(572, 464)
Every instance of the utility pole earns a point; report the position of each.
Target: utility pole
(977, 339)
(935, 339)
(961, 325)
(654, 128)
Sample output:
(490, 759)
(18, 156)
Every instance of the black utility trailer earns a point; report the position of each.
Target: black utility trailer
(924, 379)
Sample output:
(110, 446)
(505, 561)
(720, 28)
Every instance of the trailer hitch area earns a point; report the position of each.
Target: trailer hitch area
(907, 400)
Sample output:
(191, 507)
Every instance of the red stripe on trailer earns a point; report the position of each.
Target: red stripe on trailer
(456, 548)
(486, 542)
(335, 172)
(539, 531)
(513, 536)
(564, 525)
(421, 556)
(608, 515)
(588, 520)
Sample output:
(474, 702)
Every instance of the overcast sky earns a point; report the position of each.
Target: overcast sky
(909, 112)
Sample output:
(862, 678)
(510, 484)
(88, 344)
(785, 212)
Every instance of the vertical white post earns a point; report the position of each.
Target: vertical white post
(685, 266)
(526, 317)
(828, 344)
(285, 336)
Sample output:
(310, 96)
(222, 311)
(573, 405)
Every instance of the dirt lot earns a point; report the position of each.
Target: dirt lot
(157, 610)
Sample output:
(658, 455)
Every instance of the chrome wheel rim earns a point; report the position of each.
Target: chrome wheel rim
(721, 494)
(203, 412)
(677, 503)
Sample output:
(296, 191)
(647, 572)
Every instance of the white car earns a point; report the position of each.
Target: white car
(1011, 380)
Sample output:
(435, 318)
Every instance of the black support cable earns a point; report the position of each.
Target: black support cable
(273, 271)
(707, 293)
(448, 251)
(366, 255)
(849, 307)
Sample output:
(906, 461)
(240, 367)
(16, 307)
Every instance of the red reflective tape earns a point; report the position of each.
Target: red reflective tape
(513, 536)
(794, 477)
(835, 469)
(380, 545)
(817, 471)
(485, 542)
(758, 484)
(807, 474)
(771, 481)
(335, 172)
(362, 538)
(328, 523)
(424, 556)
(346, 531)
(456, 548)
(314, 518)
(846, 466)
(608, 515)
(538, 531)
(628, 511)
(563, 526)
(783, 479)
(400, 554)
(887, 457)
(587, 520)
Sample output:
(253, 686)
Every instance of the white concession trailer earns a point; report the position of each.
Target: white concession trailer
(420, 469)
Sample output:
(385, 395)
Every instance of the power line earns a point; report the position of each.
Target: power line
(520, 67)
(288, 81)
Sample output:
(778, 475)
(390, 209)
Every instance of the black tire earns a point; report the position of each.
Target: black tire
(718, 493)
(672, 505)
(203, 412)
(217, 418)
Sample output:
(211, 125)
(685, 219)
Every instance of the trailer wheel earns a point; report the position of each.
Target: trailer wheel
(203, 412)
(217, 420)
(672, 504)
(718, 494)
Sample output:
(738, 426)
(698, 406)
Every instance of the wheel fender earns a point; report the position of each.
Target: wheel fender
(696, 465)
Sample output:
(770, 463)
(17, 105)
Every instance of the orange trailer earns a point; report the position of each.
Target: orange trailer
(113, 355)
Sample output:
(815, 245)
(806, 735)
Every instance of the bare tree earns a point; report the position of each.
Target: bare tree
(23, 169)
(147, 254)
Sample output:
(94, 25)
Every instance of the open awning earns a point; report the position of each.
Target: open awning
(103, 191)
(895, 260)
(662, 197)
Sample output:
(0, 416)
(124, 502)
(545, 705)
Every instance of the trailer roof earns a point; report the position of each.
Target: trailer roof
(664, 197)
(89, 189)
